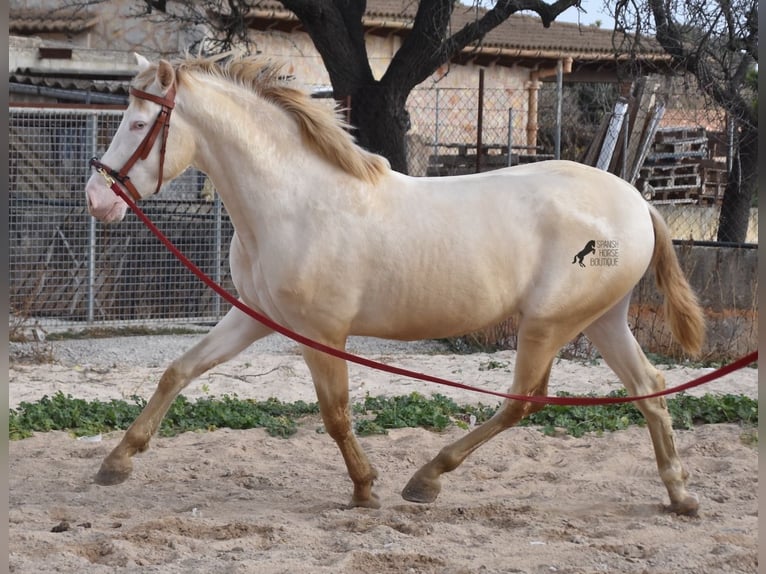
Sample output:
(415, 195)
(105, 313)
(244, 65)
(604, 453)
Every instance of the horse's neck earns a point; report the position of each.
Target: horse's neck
(234, 135)
(250, 149)
(239, 140)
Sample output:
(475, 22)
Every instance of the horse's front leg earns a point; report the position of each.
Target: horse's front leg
(230, 336)
(330, 376)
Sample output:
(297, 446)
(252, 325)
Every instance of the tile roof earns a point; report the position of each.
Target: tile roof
(115, 87)
(520, 32)
(27, 22)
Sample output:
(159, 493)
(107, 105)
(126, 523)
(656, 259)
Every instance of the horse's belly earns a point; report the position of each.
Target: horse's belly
(432, 310)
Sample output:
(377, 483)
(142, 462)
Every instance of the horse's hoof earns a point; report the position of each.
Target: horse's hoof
(109, 475)
(689, 506)
(421, 490)
(372, 502)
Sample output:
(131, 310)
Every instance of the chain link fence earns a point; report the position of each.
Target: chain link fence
(67, 269)
(445, 131)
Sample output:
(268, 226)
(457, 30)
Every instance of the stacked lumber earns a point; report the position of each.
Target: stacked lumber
(713, 178)
(678, 143)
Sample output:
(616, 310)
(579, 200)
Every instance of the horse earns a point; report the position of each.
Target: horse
(330, 242)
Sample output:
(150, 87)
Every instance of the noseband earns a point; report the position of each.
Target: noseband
(161, 124)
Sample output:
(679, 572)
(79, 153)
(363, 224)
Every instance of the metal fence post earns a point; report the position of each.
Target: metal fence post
(559, 105)
(510, 135)
(436, 123)
(92, 129)
(217, 207)
(625, 141)
(480, 120)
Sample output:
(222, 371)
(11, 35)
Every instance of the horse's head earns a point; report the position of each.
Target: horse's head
(145, 151)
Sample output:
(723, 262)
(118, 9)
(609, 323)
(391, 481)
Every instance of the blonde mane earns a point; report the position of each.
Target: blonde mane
(322, 128)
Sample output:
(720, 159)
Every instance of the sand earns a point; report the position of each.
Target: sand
(234, 501)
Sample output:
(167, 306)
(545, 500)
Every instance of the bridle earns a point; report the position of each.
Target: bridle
(161, 124)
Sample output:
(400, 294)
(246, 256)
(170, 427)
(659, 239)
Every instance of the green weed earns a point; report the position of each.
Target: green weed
(373, 415)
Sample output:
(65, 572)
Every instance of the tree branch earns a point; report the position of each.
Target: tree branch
(335, 28)
(430, 45)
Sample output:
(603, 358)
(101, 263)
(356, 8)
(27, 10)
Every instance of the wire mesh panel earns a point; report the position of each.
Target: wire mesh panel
(67, 267)
(446, 123)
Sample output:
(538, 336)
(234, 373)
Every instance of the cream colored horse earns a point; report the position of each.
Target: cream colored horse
(331, 242)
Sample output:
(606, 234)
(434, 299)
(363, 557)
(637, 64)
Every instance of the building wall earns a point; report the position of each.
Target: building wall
(118, 28)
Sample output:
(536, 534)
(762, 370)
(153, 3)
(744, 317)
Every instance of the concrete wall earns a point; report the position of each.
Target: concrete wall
(725, 278)
(726, 282)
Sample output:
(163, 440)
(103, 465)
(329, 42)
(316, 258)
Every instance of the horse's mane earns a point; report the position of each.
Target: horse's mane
(322, 127)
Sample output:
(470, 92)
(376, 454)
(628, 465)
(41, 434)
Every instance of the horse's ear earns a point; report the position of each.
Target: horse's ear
(142, 62)
(166, 75)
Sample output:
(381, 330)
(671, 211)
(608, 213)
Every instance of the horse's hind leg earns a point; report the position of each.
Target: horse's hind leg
(230, 336)
(330, 376)
(612, 337)
(534, 358)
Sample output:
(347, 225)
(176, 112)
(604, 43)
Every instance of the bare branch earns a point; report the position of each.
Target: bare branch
(430, 44)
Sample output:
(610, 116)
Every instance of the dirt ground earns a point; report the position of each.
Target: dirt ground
(244, 502)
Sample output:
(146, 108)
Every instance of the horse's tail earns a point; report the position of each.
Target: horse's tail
(682, 310)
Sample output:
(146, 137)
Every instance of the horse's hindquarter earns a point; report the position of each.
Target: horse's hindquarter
(456, 254)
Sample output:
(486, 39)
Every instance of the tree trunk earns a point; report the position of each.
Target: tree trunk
(382, 122)
(740, 189)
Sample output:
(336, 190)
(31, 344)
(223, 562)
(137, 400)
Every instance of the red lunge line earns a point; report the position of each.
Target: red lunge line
(570, 401)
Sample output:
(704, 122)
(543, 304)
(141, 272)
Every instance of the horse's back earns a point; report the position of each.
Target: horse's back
(544, 208)
(543, 181)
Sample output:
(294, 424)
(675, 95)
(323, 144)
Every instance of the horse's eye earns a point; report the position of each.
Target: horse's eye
(138, 125)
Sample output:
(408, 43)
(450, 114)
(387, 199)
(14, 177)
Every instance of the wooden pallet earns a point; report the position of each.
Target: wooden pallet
(662, 177)
(683, 147)
(675, 194)
(678, 169)
(675, 133)
(713, 176)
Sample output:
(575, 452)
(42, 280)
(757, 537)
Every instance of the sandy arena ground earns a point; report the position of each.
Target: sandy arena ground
(244, 502)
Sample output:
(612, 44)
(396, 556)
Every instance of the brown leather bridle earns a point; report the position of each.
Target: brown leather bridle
(161, 123)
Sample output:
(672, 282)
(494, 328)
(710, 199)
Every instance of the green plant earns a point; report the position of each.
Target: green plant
(578, 420)
(63, 412)
(688, 411)
(749, 437)
(80, 417)
(492, 365)
(374, 415)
